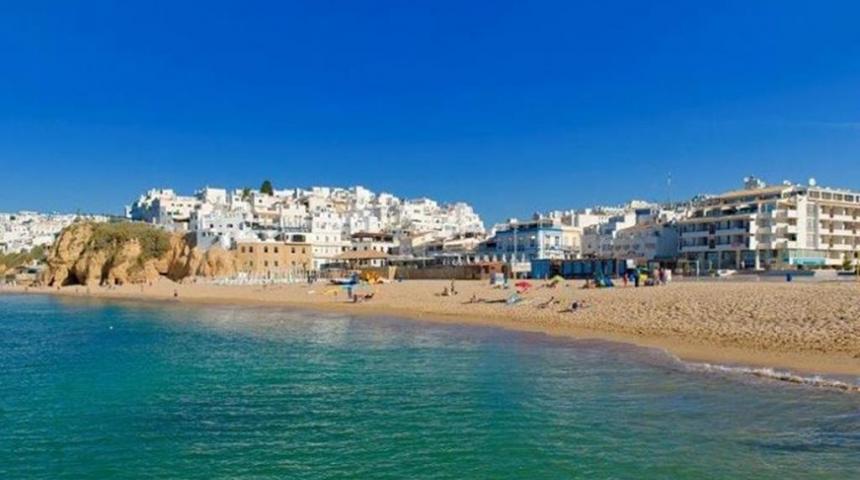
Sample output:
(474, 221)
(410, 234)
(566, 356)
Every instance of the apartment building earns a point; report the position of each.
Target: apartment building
(373, 242)
(777, 226)
(647, 242)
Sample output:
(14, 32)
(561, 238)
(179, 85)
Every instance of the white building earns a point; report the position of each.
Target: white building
(221, 227)
(647, 242)
(22, 231)
(327, 215)
(162, 206)
(601, 240)
(777, 226)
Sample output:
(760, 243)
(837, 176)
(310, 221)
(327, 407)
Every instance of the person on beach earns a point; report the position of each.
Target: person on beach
(551, 301)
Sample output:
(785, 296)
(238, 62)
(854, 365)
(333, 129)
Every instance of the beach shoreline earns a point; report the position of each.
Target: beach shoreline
(770, 325)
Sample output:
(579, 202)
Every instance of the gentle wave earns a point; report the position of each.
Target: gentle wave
(772, 374)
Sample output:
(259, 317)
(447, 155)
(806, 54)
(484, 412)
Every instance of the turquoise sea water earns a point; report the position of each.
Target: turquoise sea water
(92, 389)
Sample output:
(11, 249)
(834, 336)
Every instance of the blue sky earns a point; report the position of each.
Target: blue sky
(511, 106)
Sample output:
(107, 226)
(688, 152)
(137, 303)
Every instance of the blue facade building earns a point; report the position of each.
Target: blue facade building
(525, 242)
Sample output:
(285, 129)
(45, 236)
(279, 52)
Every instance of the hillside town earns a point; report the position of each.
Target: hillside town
(297, 234)
(23, 231)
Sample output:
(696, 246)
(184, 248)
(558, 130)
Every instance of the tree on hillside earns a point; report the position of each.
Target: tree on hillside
(246, 193)
(266, 188)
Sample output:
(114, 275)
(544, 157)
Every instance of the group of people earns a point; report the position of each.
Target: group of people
(356, 297)
(659, 276)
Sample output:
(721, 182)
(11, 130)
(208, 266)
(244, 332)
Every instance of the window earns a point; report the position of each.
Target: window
(293, 250)
(276, 263)
(266, 263)
(243, 249)
(276, 249)
(250, 249)
(303, 249)
(265, 249)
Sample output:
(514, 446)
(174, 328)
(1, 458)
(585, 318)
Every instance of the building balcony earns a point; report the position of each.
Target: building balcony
(786, 229)
(783, 214)
(837, 233)
(695, 249)
(733, 231)
(780, 243)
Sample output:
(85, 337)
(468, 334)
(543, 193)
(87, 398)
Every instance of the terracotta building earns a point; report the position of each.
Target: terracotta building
(274, 259)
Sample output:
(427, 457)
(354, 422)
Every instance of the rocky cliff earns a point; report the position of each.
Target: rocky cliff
(120, 253)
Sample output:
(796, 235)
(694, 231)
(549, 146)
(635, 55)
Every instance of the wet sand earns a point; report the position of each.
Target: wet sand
(809, 327)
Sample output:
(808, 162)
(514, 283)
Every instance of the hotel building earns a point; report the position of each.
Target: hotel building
(773, 227)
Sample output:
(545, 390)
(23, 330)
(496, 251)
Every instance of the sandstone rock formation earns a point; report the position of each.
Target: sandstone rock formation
(116, 254)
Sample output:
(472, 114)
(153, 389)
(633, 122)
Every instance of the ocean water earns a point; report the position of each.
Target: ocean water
(92, 389)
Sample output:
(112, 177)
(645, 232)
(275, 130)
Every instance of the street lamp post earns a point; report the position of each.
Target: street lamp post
(515, 239)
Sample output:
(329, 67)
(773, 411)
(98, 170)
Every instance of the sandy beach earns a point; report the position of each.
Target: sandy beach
(809, 327)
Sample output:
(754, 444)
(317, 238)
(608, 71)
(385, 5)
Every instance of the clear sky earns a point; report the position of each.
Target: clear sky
(512, 106)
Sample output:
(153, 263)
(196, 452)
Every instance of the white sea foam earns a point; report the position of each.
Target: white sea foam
(777, 375)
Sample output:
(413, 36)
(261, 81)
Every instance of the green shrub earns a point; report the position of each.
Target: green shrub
(108, 237)
(12, 260)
